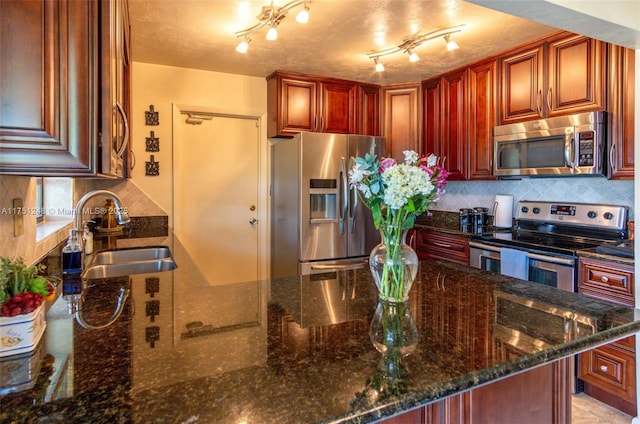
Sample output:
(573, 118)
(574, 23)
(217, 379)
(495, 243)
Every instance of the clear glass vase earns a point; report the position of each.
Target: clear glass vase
(394, 264)
(393, 330)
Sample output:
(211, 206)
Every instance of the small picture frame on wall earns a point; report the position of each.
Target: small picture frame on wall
(152, 168)
(151, 117)
(152, 143)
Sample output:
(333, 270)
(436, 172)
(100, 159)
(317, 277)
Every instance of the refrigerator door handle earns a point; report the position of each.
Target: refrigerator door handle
(353, 198)
(344, 195)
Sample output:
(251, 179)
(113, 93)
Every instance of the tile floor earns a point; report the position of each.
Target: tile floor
(587, 410)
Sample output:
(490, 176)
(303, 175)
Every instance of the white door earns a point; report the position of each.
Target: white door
(216, 196)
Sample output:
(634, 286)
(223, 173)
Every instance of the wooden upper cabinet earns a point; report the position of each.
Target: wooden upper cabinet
(560, 76)
(576, 75)
(621, 112)
(115, 80)
(298, 103)
(48, 111)
(401, 119)
(483, 116)
(445, 121)
(522, 84)
(369, 110)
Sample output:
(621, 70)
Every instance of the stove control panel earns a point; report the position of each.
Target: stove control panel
(597, 216)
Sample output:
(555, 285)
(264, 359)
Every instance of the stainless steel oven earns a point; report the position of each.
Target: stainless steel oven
(552, 270)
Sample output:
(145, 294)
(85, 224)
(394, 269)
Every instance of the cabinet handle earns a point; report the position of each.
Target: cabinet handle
(539, 101)
(125, 138)
(447, 246)
(604, 368)
(605, 279)
(132, 160)
(612, 157)
(549, 99)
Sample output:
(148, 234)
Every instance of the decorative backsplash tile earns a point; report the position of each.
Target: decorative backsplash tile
(469, 194)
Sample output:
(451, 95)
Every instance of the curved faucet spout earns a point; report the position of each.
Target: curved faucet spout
(122, 299)
(122, 216)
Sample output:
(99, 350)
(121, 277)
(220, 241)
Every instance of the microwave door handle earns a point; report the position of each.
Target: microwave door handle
(569, 149)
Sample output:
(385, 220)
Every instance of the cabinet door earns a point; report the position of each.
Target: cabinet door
(482, 119)
(431, 117)
(401, 119)
(454, 124)
(337, 107)
(521, 85)
(292, 106)
(116, 94)
(445, 121)
(621, 112)
(369, 110)
(575, 76)
(49, 109)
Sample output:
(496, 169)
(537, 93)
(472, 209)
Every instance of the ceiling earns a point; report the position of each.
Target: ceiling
(200, 34)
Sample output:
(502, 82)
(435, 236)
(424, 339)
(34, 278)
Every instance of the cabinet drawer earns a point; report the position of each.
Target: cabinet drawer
(607, 280)
(434, 245)
(611, 370)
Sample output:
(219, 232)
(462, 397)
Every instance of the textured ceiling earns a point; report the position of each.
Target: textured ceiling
(200, 34)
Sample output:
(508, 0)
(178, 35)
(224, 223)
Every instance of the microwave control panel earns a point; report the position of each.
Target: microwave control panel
(586, 143)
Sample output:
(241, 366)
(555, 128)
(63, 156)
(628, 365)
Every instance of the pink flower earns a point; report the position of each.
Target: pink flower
(387, 163)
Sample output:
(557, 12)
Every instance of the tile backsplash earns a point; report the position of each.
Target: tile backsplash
(469, 194)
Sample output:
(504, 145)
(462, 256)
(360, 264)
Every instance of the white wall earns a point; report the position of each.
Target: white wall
(163, 86)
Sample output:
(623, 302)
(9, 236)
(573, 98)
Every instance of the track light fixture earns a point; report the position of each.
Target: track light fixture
(272, 16)
(379, 65)
(410, 43)
(451, 45)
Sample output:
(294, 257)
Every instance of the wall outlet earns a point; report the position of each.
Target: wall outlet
(18, 217)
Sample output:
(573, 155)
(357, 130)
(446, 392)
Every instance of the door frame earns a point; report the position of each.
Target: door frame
(179, 112)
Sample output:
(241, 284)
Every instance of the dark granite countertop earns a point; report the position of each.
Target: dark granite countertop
(289, 350)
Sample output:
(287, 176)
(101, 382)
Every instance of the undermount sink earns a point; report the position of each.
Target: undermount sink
(129, 261)
(133, 254)
(129, 268)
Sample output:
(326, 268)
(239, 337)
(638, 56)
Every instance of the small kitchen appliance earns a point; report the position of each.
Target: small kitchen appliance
(466, 220)
(480, 220)
(558, 146)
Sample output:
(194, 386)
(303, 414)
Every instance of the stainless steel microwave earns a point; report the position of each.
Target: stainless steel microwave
(559, 146)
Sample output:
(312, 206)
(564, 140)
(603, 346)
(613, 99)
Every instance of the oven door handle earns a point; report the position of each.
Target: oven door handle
(552, 259)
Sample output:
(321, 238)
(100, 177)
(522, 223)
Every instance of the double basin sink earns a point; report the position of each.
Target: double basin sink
(129, 261)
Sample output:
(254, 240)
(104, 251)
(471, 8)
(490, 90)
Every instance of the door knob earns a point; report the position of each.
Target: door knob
(253, 221)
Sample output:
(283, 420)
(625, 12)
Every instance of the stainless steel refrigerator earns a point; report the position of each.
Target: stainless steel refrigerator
(318, 222)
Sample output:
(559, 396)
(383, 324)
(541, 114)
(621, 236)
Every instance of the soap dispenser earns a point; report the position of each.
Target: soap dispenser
(72, 271)
(72, 254)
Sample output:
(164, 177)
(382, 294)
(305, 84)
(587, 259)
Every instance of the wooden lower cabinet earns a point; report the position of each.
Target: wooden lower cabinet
(540, 395)
(609, 371)
(438, 245)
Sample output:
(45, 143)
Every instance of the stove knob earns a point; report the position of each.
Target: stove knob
(592, 214)
(524, 209)
(608, 216)
(536, 210)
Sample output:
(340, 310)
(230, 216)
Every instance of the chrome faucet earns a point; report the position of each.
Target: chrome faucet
(122, 217)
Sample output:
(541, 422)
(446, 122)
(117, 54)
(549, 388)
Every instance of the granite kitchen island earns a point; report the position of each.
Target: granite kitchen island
(297, 350)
